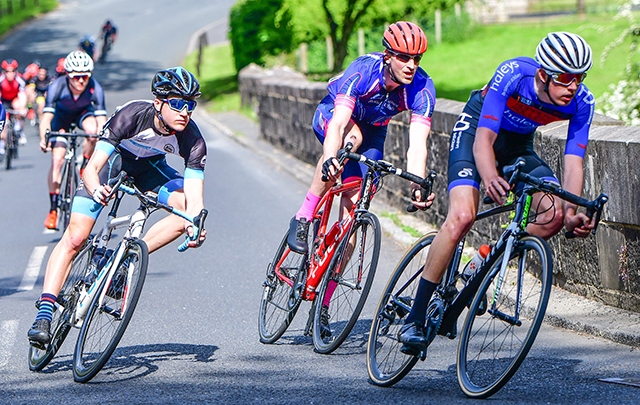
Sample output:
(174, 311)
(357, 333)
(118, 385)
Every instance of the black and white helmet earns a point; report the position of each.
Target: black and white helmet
(78, 61)
(176, 81)
(564, 52)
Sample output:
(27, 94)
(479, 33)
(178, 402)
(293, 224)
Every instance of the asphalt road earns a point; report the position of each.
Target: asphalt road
(193, 338)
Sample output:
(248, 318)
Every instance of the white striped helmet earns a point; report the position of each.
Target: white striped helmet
(564, 52)
(78, 61)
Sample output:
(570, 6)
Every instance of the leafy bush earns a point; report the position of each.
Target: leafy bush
(258, 29)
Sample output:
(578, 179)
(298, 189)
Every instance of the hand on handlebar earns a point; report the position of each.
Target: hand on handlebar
(497, 189)
(101, 194)
(418, 198)
(331, 170)
(579, 224)
(191, 241)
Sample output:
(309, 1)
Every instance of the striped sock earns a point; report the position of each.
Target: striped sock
(46, 307)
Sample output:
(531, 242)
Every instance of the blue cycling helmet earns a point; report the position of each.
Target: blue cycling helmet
(176, 81)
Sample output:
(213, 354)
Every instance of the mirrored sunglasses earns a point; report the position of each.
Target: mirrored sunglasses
(405, 58)
(565, 79)
(78, 76)
(178, 104)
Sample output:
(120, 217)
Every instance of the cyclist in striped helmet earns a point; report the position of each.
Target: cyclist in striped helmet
(496, 127)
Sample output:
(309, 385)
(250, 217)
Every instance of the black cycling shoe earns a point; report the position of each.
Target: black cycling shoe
(39, 333)
(325, 329)
(297, 238)
(412, 338)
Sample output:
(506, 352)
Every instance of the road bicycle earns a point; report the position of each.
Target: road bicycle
(506, 298)
(106, 47)
(13, 138)
(104, 284)
(70, 177)
(337, 272)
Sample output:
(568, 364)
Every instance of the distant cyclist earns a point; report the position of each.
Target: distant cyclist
(138, 136)
(496, 127)
(13, 95)
(108, 35)
(76, 98)
(361, 102)
(88, 45)
(36, 91)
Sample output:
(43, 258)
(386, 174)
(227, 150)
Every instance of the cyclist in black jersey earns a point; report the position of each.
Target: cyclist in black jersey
(136, 138)
(497, 127)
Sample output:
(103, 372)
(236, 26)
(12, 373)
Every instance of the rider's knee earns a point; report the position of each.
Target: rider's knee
(547, 227)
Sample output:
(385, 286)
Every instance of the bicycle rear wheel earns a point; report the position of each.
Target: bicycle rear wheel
(386, 364)
(346, 284)
(66, 303)
(109, 315)
(280, 301)
(494, 343)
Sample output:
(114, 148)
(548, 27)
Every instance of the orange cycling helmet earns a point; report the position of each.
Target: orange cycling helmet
(9, 64)
(405, 37)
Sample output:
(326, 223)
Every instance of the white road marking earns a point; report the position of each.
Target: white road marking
(8, 331)
(33, 268)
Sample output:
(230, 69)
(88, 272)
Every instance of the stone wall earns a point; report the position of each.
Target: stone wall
(604, 267)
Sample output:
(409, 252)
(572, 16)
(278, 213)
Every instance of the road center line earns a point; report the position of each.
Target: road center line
(33, 268)
(8, 331)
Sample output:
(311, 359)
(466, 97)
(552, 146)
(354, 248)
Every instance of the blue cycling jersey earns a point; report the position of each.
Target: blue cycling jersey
(361, 88)
(511, 104)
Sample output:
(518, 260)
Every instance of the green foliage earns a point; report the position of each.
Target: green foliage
(257, 28)
(622, 99)
(22, 11)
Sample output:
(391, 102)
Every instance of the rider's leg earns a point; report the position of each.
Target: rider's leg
(299, 226)
(58, 268)
(169, 228)
(58, 150)
(463, 202)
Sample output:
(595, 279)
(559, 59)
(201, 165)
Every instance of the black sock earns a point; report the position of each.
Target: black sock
(418, 312)
(53, 198)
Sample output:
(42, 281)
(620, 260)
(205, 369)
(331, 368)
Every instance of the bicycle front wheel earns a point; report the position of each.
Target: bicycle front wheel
(281, 300)
(65, 305)
(68, 186)
(10, 148)
(110, 313)
(504, 318)
(386, 364)
(346, 284)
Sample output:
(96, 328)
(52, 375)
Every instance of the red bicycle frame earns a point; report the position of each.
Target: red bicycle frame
(325, 242)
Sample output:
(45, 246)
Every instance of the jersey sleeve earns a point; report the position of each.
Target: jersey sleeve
(53, 92)
(347, 86)
(424, 101)
(193, 149)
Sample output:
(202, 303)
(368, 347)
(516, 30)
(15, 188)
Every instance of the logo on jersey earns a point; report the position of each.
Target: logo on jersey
(503, 70)
(169, 148)
(466, 172)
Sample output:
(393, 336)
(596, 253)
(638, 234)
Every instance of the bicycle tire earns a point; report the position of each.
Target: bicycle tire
(69, 183)
(101, 331)
(67, 299)
(386, 364)
(9, 146)
(280, 301)
(490, 349)
(347, 284)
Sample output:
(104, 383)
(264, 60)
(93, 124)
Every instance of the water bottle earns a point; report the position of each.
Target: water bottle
(475, 263)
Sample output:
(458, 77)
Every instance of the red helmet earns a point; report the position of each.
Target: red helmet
(9, 64)
(60, 67)
(405, 37)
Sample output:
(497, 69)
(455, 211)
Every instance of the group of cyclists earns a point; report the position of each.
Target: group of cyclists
(496, 126)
